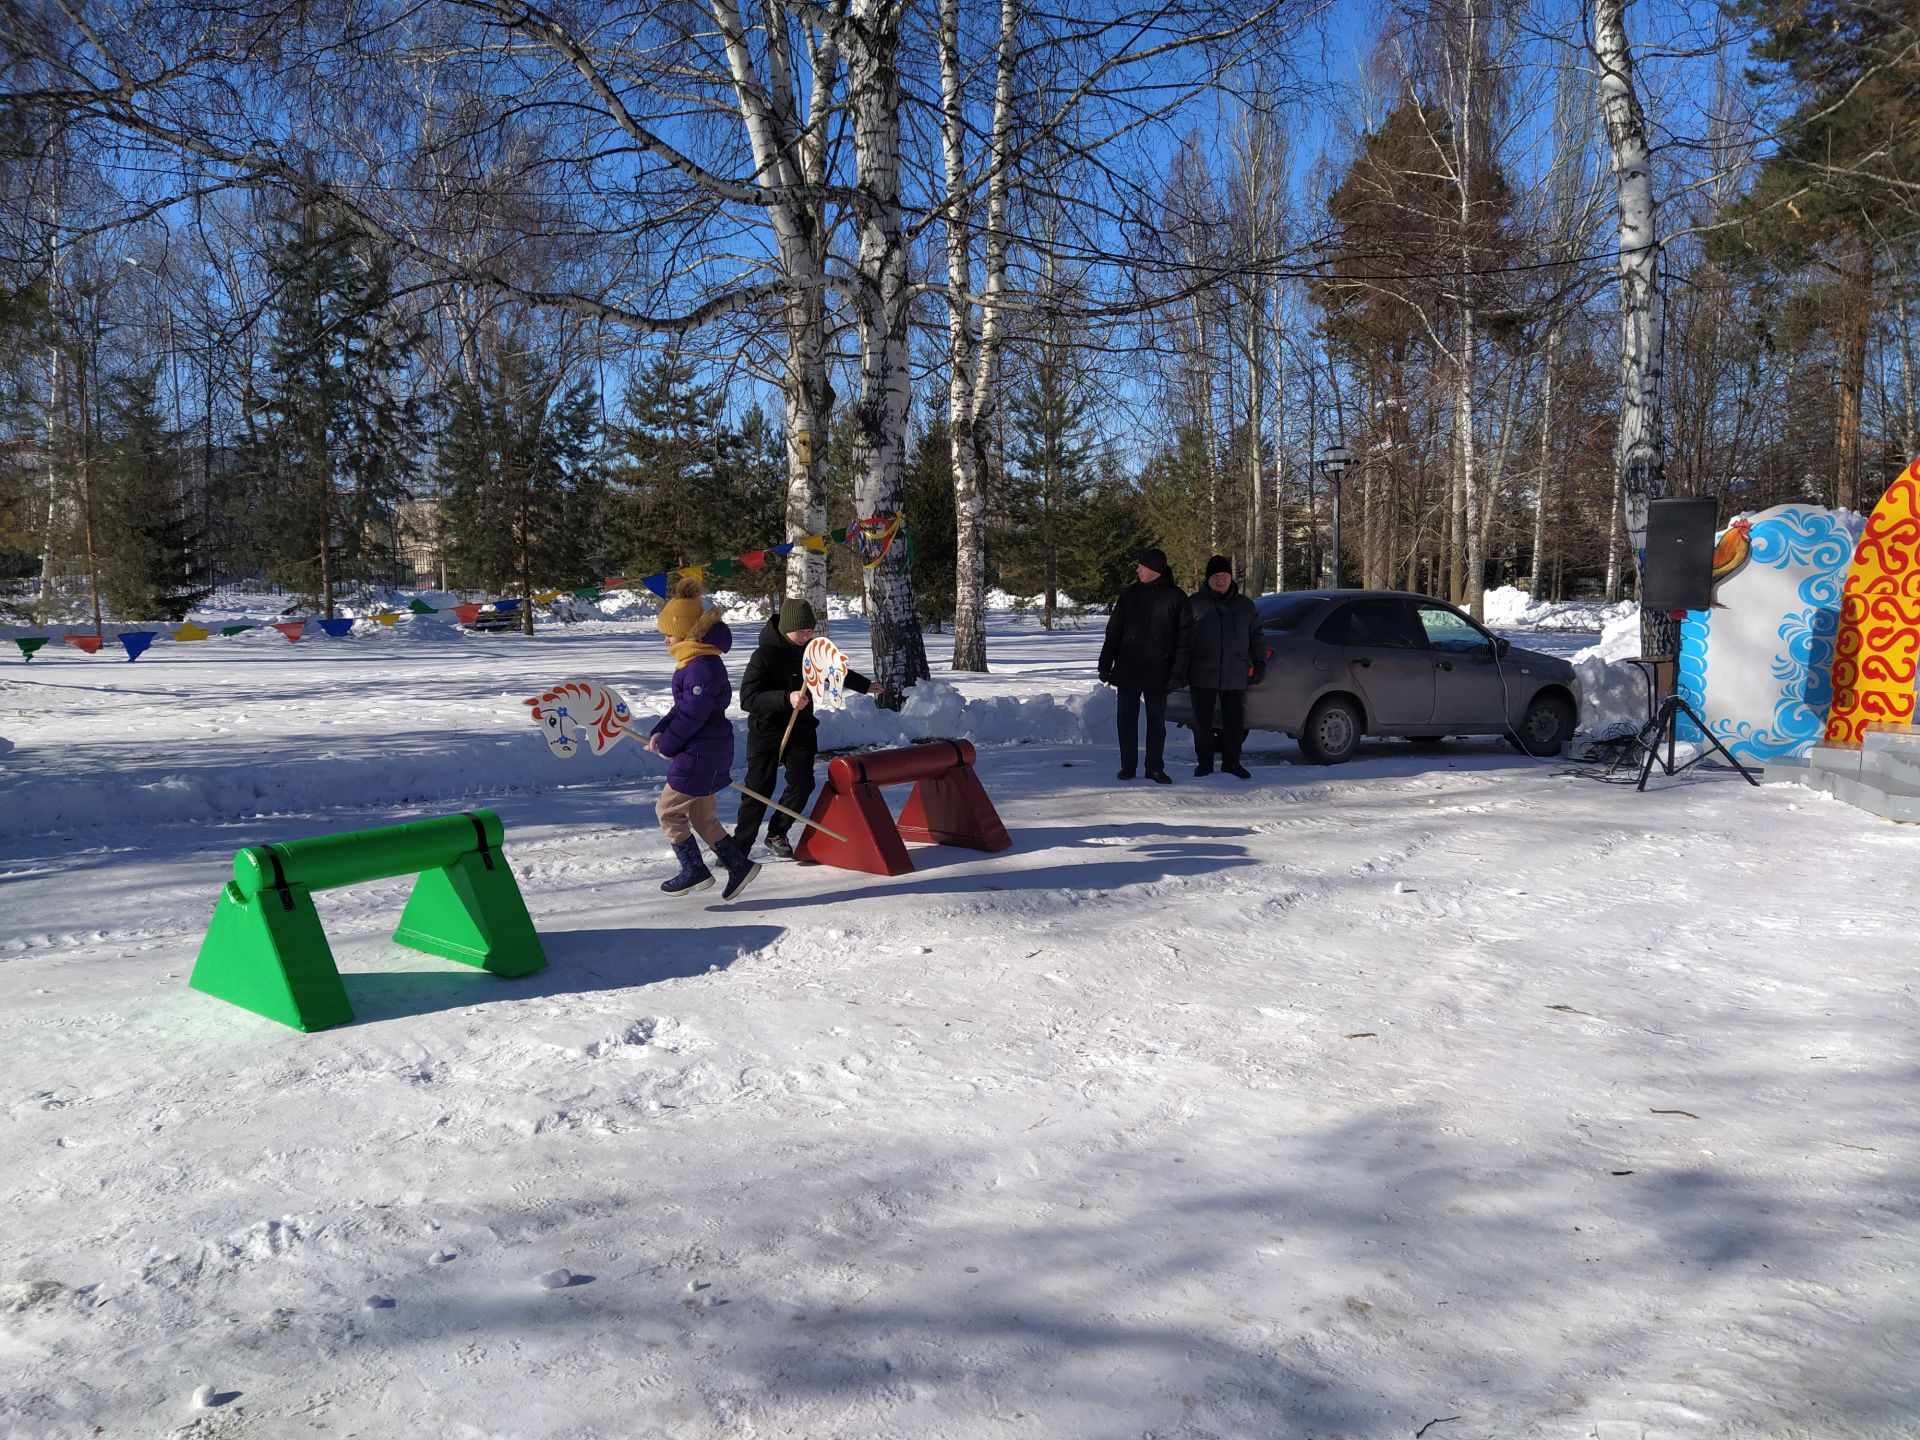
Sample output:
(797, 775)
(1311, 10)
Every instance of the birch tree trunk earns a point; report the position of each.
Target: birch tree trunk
(1279, 441)
(1640, 450)
(788, 153)
(1536, 585)
(881, 303)
(973, 378)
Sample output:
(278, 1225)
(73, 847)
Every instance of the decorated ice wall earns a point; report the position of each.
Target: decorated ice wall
(1758, 666)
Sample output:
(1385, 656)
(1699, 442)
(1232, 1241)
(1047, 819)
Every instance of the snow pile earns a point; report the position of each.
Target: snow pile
(42, 794)
(1001, 600)
(1510, 608)
(1613, 694)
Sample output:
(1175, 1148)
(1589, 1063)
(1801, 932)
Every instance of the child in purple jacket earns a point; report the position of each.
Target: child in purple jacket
(698, 738)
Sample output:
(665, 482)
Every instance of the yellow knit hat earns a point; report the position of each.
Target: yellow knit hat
(680, 616)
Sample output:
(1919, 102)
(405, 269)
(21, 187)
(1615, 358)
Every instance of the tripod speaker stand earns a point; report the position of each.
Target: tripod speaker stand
(1661, 732)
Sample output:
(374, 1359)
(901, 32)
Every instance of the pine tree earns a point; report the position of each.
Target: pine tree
(1110, 530)
(151, 557)
(1047, 465)
(932, 525)
(1835, 197)
(672, 505)
(519, 483)
(756, 478)
(336, 433)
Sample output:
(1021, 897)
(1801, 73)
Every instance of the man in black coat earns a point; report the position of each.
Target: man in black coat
(772, 692)
(1227, 657)
(1145, 656)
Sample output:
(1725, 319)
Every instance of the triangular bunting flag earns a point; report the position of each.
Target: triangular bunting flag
(503, 606)
(838, 537)
(420, 607)
(782, 550)
(688, 572)
(466, 614)
(29, 644)
(137, 642)
(292, 629)
(657, 584)
(337, 629)
(190, 632)
(387, 617)
(88, 643)
(754, 560)
(588, 592)
(721, 569)
(547, 597)
(237, 629)
(816, 543)
(614, 582)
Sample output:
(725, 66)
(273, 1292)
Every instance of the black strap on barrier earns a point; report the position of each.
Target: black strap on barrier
(480, 829)
(279, 877)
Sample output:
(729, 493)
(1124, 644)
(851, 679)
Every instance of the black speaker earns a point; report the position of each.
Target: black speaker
(1678, 571)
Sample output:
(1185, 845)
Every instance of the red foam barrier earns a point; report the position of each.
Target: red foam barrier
(948, 806)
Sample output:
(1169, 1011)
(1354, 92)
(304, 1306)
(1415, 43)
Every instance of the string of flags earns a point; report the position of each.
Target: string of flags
(873, 537)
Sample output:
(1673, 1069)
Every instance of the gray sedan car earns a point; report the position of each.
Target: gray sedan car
(1346, 663)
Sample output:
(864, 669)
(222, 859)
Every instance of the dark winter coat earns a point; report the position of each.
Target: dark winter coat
(1149, 636)
(1227, 652)
(696, 734)
(773, 673)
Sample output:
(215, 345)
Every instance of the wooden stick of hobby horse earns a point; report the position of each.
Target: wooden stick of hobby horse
(756, 795)
(786, 737)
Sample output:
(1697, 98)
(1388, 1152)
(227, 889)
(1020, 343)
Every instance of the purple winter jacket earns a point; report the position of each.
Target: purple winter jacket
(696, 734)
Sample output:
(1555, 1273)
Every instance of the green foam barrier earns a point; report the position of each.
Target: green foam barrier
(265, 950)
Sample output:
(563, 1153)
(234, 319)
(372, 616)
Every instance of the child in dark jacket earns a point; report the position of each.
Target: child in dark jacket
(772, 692)
(698, 738)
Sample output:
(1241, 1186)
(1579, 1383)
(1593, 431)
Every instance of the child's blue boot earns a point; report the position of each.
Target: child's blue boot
(740, 870)
(693, 875)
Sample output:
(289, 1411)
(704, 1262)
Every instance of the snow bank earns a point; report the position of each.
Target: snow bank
(1613, 694)
(42, 793)
(1509, 608)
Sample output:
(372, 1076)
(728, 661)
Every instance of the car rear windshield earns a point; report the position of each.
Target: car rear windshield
(1277, 617)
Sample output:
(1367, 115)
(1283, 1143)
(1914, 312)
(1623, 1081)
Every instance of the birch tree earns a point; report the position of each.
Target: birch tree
(1640, 448)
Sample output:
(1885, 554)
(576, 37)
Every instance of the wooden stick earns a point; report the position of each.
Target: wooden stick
(795, 814)
(786, 737)
(756, 795)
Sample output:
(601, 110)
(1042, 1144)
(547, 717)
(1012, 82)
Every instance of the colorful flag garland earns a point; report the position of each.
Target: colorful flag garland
(874, 537)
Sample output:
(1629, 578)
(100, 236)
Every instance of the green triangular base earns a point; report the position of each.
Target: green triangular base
(272, 960)
(469, 913)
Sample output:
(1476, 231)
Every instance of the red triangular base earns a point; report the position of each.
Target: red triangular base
(953, 809)
(872, 844)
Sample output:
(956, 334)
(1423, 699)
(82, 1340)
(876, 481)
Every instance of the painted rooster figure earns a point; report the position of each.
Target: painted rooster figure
(1733, 551)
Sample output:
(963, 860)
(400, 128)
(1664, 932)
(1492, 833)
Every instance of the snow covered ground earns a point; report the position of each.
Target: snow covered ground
(1442, 1087)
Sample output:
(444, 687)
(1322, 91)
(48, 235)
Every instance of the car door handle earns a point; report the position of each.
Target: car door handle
(1363, 662)
(1443, 664)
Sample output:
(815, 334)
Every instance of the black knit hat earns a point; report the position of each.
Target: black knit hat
(795, 614)
(1219, 565)
(1155, 559)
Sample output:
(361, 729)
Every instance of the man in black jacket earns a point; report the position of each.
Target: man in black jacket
(1145, 655)
(772, 692)
(1227, 656)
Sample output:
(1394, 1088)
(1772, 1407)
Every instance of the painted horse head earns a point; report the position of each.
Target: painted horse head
(578, 713)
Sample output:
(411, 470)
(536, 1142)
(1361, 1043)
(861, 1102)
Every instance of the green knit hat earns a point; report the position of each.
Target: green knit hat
(795, 614)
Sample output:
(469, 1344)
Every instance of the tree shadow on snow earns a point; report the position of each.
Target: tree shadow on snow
(578, 962)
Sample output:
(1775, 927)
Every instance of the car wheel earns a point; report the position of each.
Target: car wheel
(1332, 732)
(1547, 726)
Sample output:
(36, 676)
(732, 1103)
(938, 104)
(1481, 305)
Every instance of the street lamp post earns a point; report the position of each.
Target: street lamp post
(1331, 464)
